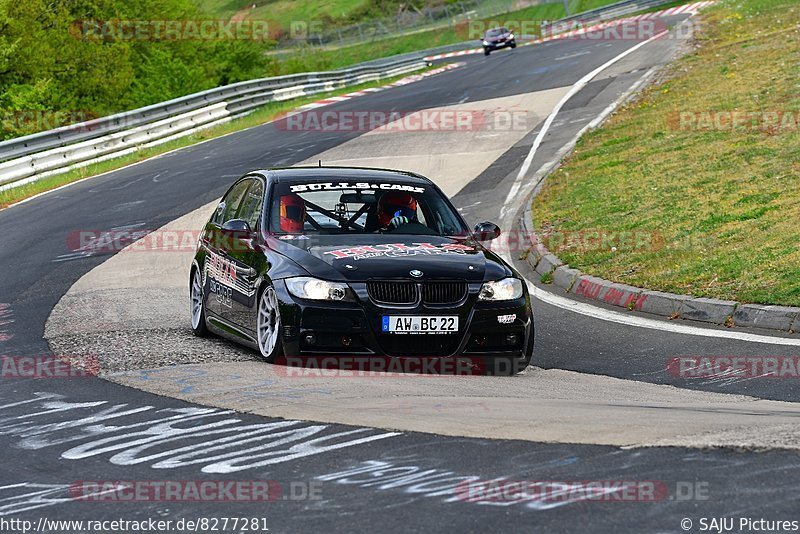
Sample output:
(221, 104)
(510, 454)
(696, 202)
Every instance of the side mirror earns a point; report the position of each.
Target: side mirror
(486, 231)
(239, 227)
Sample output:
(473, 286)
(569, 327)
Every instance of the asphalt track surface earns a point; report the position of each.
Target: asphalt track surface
(56, 432)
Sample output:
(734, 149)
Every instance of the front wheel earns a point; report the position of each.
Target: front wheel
(486, 52)
(513, 45)
(268, 326)
(199, 327)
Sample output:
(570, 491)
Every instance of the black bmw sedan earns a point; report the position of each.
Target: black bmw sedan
(497, 38)
(335, 261)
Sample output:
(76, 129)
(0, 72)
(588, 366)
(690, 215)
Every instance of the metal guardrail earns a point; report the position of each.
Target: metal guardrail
(610, 11)
(409, 19)
(585, 18)
(45, 153)
(26, 159)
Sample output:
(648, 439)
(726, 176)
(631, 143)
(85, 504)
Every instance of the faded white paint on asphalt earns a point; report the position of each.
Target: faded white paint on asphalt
(540, 405)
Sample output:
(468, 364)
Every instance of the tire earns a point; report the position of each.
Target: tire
(513, 44)
(196, 308)
(268, 326)
(486, 52)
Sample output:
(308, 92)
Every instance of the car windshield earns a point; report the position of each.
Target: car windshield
(496, 32)
(362, 208)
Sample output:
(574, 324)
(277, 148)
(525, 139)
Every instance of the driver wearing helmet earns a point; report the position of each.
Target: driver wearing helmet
(397, 212)
(292, 214)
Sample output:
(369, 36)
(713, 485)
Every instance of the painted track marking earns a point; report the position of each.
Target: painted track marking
(652, 324)
(576, 88)
(511, 207)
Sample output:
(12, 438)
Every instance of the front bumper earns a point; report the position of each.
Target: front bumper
(499, 45)
(487, 330)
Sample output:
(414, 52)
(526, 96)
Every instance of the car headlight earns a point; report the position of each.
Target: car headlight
(505, 289)
(485, 43)
(305, 287)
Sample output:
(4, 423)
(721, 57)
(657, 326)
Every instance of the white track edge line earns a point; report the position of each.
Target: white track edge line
(652, 324)
(619, 317)
(576, 87)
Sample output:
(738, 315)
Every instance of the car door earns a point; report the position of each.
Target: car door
(220, 270)
(247, 257)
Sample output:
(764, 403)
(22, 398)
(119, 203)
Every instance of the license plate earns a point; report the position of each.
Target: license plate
(416, 324)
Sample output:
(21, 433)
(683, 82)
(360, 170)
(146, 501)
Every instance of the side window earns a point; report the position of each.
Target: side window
(230, 203)
(251, 205)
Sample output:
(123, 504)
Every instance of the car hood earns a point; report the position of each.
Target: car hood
(390, 256)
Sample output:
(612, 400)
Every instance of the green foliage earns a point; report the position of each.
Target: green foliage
(723, 201)
(48, 64)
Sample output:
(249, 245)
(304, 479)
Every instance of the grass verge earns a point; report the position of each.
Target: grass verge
(262, 115)
(312, 58)
(717, 204)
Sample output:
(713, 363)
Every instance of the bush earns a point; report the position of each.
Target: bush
(47, 66)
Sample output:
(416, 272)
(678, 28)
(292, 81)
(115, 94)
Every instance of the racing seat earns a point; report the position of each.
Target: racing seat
(371, 224)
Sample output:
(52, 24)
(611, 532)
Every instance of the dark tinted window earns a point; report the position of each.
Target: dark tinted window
(230, 202)
(352, 207)
(495, 32)
(250, 210)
